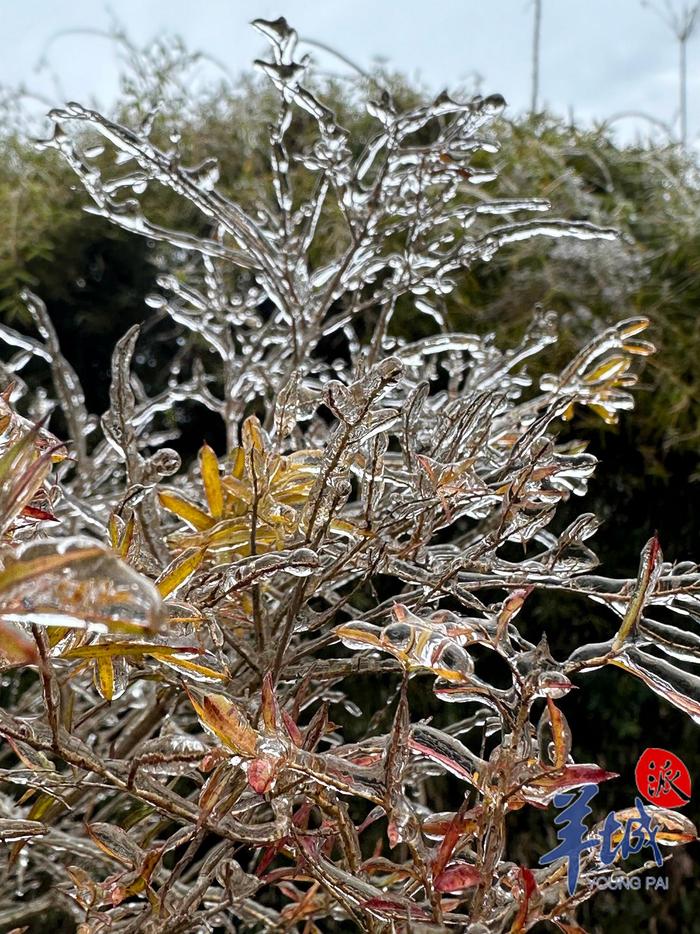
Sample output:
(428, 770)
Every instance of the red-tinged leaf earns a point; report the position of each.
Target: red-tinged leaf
(528, 884)
(584, 775)
(212, 759)
(366, 760)
(300, 820)
(541, 790)
(272, 718)
(571, 776)
(465, 820)
(293, 730)
(380, 865)
(41, 515)
(268, 855)
(457, 877)
(528, 881)
(445, 749)
(262, 774)
(22, 472)
(316, 729)
(374, 815)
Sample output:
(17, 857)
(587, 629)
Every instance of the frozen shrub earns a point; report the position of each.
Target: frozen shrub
(178, 641)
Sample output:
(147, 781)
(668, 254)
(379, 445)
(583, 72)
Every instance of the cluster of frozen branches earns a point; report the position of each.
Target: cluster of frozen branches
(176, 639)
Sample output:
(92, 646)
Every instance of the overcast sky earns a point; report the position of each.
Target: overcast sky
(599, 57)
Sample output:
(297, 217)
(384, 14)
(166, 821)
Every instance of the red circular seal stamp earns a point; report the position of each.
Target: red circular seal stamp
(662, 778)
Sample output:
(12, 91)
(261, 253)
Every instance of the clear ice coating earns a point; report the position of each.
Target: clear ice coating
(381, 509)
(76, 583)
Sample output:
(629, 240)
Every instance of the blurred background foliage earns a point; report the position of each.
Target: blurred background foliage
(94, 279)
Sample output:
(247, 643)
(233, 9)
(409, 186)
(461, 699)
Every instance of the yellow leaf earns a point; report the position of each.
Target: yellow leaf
(113, 649)
(41, 806)
(633, 326)
(113, 529)
(672, 828)
(297, 492)
(127, 536)
(640, 348)
(230, 532)
(179, 570)
(251, 434)
(613, 367)
(104, 677)
(120, 538)
(211, 479)
(272, 715)
(343, 527)
(608, 417)
(649, 564)
(203, 670)
(186, 510)
(25, 570)
(238, 491)
(568, 414)
(238, 463)
(226, 720)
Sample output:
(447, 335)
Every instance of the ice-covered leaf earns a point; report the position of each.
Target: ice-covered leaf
(82, 585)
(457, 877)
(14, 830)
(679, 687)
(227, 721)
